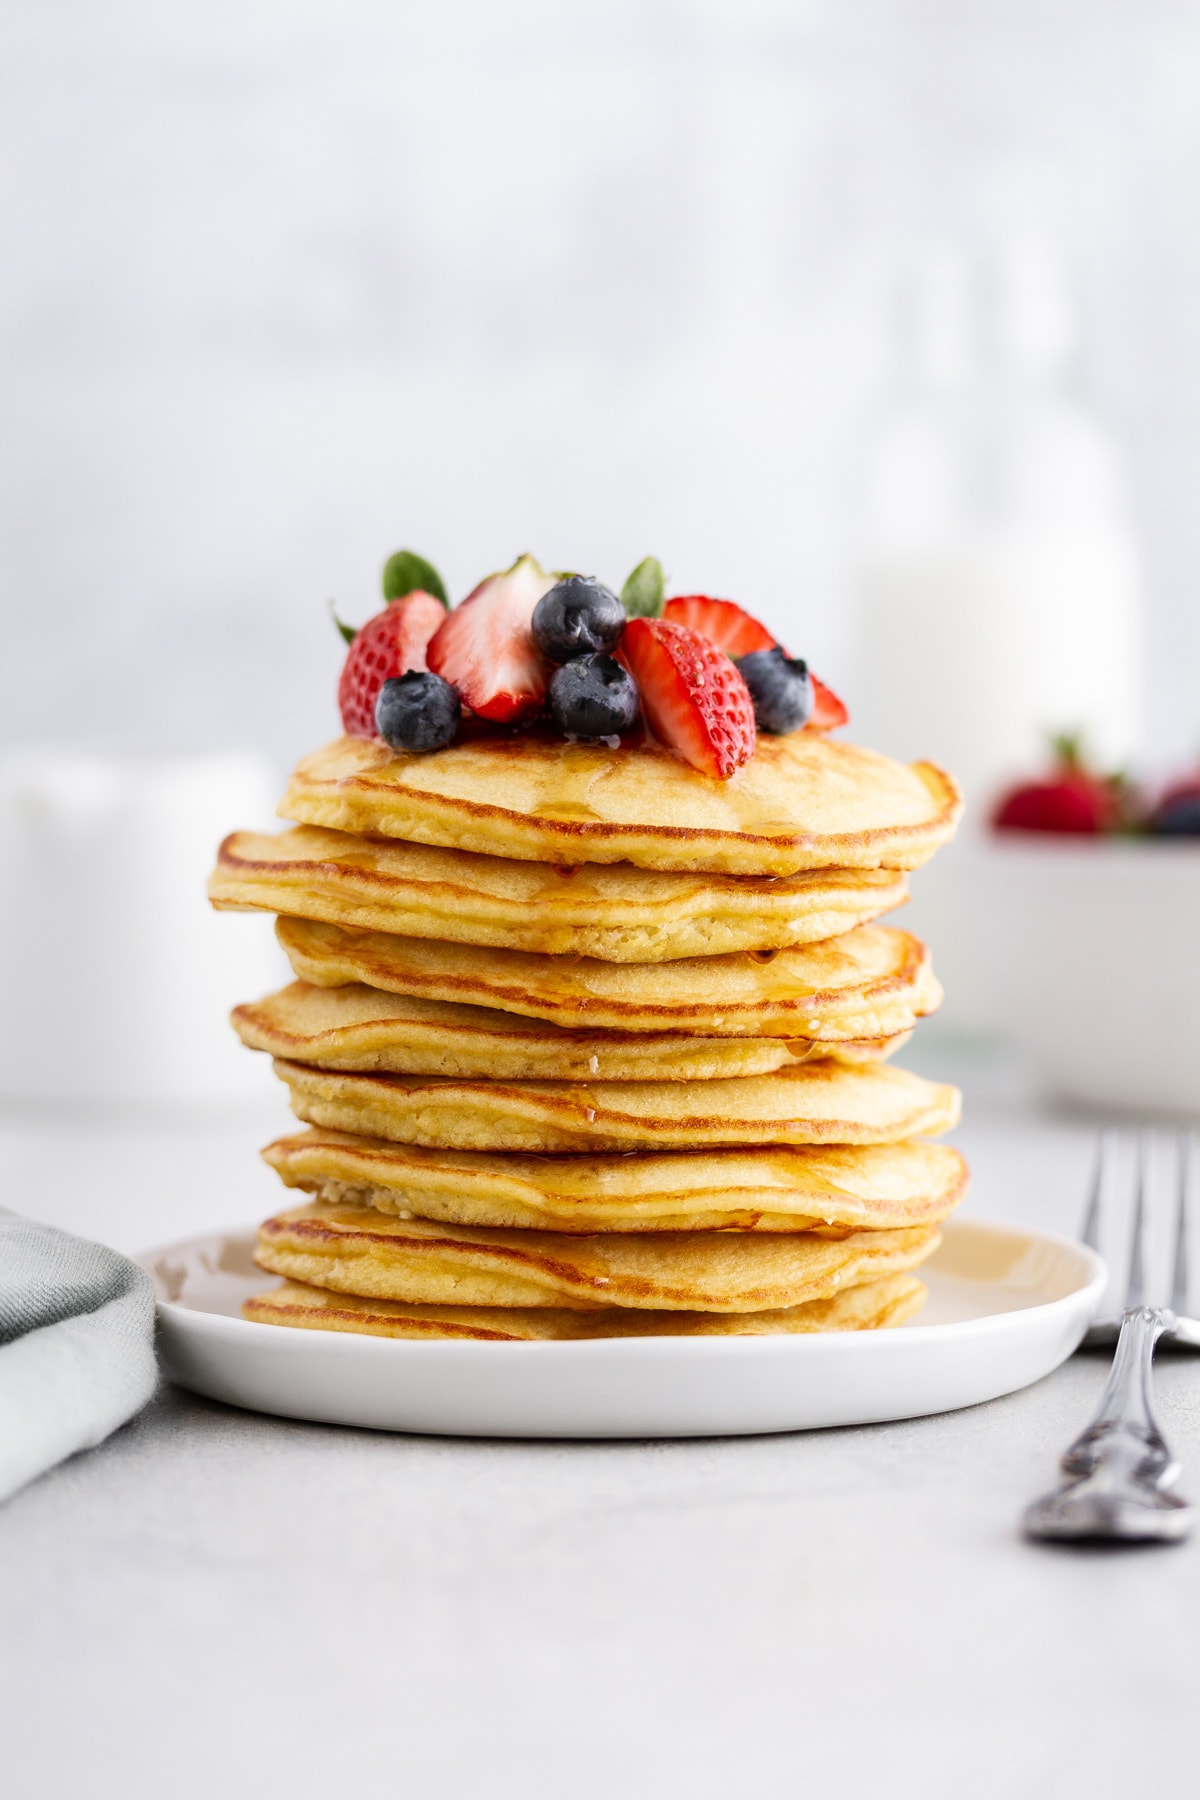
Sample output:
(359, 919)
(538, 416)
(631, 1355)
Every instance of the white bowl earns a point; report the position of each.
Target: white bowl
(1086, 953)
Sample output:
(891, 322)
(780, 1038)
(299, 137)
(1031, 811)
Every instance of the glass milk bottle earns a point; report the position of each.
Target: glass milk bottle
(995, 567)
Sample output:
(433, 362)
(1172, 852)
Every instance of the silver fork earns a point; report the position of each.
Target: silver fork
(1119, 1476)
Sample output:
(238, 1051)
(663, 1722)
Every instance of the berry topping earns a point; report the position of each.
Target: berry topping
(593, 697)
(692, 695)
(388, 645)
(404, 572)
(828, 711)
(1178, 812)
(577, 618)
(1073, 800)
(485, 647)
(722, 622)
(417, 711)
(780, 687)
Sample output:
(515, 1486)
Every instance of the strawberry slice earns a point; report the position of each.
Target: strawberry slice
(735, 631)
(828, 711)
(693, 698)
(729, 626)
(485, 647)
(390, 644)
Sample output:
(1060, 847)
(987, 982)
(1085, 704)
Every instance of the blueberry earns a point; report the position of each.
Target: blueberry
(1178, 817)
(577, 618)
(593, 697)
(780, 687)
(417, 711)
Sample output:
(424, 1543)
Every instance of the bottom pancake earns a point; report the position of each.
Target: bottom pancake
(871, 1307)
(866, 1187)
(377, 1257)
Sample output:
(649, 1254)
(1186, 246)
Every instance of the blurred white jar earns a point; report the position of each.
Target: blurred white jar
(996, 572)
(116, 977)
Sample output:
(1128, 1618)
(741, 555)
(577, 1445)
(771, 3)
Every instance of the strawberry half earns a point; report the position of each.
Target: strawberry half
(828, 711)
(1062, 806)
(738, 633)
(486, 650)
(1073, 800)
(693, 698)
(390, 644)
(722, 622)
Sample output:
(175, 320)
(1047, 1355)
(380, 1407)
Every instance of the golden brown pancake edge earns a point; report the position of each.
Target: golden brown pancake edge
(801, 802)
(364, 1252)
(872, 1306)
(868, 1188)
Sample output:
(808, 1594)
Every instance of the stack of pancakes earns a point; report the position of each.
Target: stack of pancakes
(589, 1044)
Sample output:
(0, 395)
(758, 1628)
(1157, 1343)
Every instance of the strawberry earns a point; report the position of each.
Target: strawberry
(1072, 800)
(828, 711)
(390, 644)
(693, 698)
(485, 647)
(722, 622)
(735, 631)
(1063, 806)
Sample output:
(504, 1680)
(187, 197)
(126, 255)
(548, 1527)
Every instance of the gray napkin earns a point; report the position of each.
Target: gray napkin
(76, 1346)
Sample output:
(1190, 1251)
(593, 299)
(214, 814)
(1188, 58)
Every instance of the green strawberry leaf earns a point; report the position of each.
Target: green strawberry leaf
(1069, 752)
(643, 593)
(347, 631)
(405, 572)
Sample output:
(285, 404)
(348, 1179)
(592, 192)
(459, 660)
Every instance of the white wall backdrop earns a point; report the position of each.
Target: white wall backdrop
(287, 285)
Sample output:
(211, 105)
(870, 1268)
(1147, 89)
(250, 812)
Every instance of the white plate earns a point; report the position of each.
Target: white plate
(1005, 1307)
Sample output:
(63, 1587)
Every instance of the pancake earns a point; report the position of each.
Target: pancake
(801, 802)
(873, 982)
(874, 1187)
(617, 912)
(366, 1253)
(822, 1102)
(875, 1304)
(362, 1029)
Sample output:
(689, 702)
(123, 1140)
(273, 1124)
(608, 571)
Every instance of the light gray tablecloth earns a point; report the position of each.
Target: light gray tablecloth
(76, 1346)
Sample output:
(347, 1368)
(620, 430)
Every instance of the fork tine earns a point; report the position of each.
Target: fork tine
(1139, 1254)
(1181, 1279)
(1090, 1232)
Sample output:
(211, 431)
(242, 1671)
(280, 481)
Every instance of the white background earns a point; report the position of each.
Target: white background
(287, 285)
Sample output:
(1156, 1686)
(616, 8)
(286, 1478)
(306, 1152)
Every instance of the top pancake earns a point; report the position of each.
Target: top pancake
(801, 802)
(617, 913)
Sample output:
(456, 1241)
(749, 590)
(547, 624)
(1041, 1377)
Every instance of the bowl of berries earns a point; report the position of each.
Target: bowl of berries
(1092, 892)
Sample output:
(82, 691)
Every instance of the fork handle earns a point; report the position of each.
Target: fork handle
(1124, 1438)
(1118, 1474)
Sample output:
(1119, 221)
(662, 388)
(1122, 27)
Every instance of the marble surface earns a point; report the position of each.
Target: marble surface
(216, 1600)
